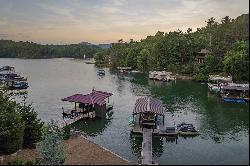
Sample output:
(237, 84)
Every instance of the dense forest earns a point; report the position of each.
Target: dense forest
(227, 43)
(12, 49)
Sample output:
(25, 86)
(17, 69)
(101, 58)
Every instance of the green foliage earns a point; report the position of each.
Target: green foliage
(21, 162)
(11, 127)
(236, 62)
(15, 162)
(212, 64)
(66, 132)
(176, 51)
(21, 49)
(50, 149)
(142, 60)
(19, 125)
(200, 77)
(33, 126)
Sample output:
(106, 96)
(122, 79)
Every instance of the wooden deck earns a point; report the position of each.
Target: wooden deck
(69, 121)
(146, 153)
(167, 128)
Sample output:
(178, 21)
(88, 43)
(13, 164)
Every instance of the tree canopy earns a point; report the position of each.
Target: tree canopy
(177, 51)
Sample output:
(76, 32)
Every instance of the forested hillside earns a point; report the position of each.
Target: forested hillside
(227, 41)
(12, 49)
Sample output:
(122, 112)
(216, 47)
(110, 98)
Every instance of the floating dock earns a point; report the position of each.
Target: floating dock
(69, 121)
(167, 128)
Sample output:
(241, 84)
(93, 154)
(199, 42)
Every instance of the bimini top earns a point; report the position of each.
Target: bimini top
(95, 97)
(149, 104)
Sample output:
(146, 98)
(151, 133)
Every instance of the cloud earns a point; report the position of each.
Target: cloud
(100, 20)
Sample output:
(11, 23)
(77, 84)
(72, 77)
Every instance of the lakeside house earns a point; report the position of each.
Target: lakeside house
(200, 56)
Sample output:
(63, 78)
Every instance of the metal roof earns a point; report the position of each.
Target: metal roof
(148, 104)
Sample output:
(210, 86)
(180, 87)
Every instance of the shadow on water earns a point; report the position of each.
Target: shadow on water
(136, 145)
(92, 127)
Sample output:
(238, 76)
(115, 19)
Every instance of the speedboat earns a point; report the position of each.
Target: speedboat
(101, 72)
(16, 85)
(187, 129)
(7, 68)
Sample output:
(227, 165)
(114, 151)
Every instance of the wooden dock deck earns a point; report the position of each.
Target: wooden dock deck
(167, 128)
(69, 121)
(146, 153)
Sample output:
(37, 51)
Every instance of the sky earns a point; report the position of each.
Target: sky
(107, 21)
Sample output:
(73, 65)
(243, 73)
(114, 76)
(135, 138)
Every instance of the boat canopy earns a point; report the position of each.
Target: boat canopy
(148, 104)
(95, 97)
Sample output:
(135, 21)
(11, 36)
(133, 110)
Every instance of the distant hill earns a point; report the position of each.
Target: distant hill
(103, 46)
(12, 49)
(86, 43)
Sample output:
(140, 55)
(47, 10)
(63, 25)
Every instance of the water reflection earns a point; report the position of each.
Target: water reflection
(136, 145)
(192, 102)
(92, 127)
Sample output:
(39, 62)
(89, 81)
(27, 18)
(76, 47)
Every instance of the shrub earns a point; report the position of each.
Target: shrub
(200, 77)
(11, 131)
(66, 132)
(50, 150)
(33, 130)
(21, 162)
(15, 162)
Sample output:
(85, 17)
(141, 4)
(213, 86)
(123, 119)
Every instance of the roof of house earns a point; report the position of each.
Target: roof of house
(204, 51)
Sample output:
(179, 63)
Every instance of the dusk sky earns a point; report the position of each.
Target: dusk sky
(105, 21)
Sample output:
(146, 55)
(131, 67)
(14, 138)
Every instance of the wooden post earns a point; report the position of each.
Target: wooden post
(88, 110)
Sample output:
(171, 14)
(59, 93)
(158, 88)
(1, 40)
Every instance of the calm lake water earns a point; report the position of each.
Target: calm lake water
(224, 127)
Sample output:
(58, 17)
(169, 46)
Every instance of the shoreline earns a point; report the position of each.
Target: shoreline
(79, 150)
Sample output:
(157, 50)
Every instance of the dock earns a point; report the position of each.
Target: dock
(167, 128)
(146, 153)
(76, 118)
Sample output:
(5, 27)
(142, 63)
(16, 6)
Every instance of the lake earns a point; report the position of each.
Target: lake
(224, 127)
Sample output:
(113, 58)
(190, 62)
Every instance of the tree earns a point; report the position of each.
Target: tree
(51, 149)
(226, 20)
(142, 61)
(33, 126)
(11, 127)
(236, 62)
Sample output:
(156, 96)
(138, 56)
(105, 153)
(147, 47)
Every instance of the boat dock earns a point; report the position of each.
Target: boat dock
(167, 128)
(146, 153)
(73, 120)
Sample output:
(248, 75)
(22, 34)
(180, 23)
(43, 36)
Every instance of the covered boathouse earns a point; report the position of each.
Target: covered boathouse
(91, 105)
(150, 113)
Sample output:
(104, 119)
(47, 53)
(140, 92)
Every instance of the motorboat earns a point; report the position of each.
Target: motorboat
(187, 129)
(11, 85)
(7, 68)
(101, 72)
